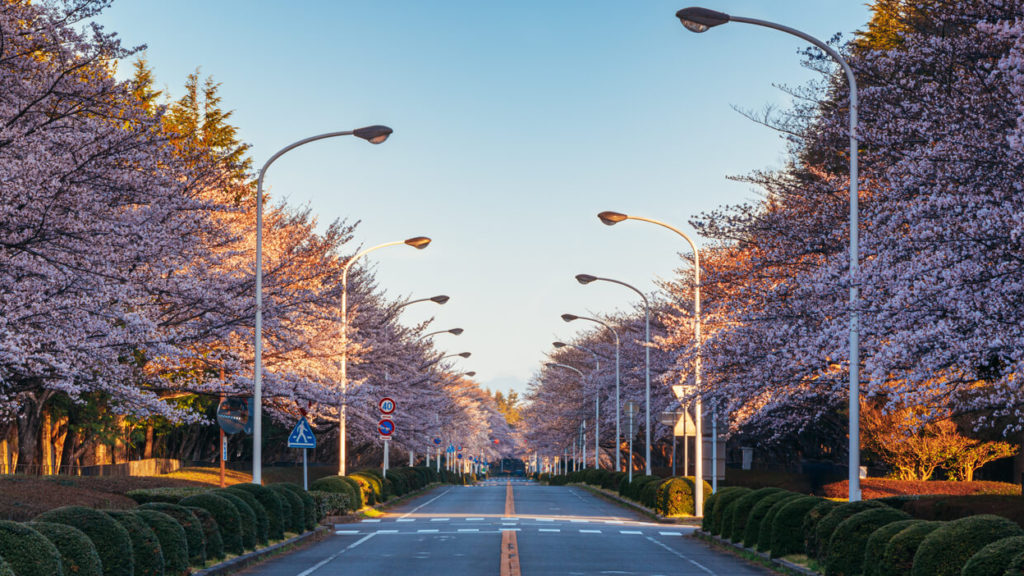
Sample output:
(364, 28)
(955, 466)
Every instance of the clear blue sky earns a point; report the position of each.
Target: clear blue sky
(515, 124)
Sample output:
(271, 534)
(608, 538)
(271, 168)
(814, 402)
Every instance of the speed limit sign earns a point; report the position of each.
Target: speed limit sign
(387, 406)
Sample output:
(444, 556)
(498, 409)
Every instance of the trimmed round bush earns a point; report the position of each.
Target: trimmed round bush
(994, 558)
(752, 531)
(1016, 567)
(111, 539)
(340, 485)
(845, 553)
(189, 523)
(224, 512)
(709, 507)
(147, 556)
(170, 495)
(212, 539)
(78, 555)
(28, 552)
(945, 551)
(721, 504)
(879, 539)
(246, 517)
(675, 497)
(172, 539)
(818, 544)
(741, 512)
(764, 532)
(372, 489)
(898, 559)
(5, 568)
(271, 502)
(262, 521)
(295, 520)
(309, 506)
(787, 530)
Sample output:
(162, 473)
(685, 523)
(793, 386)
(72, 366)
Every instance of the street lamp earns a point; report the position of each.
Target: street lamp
(440, 299)
(613, 218)
(618, 444)
(597, 400)
(373, 135)
(419, 243)
(455, 331)
(700, 20)
(587, 279)
(580, 373)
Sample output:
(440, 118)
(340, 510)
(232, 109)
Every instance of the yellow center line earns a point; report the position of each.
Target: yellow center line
(509, 544)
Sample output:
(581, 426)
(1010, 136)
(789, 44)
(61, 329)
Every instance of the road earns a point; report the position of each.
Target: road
(511, 529)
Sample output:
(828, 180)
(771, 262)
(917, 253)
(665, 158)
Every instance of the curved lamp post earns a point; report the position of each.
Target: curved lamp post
(587, 279)
(580, 373)
(419, 243)
(597, 400)
(702, 19)
(612, 218)
(373, 135)
(440, 299)
(455, 331)
(618, 435)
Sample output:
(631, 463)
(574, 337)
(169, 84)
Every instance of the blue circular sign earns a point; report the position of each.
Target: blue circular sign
(437, 441)
(460, 456)
(386, 427)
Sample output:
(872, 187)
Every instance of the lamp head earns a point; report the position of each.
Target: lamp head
(373, 134)
(609, 218)
(464, 354)
(701, 19)
(569, 317)
(456, 331)
(419, 242)
(585, 278)
(558, 344)
(440, 299)
(470, 373)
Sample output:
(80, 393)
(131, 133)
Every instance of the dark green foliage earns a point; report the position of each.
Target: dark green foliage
(722, 503)
(147, 556)
(329, 503)
(28, 552)
(844, 555)
(648, 495)
(228, 520)
(212, 540)
(168, 495)
(817, 545)
(172, 539)
(709, 507)
(879, 539)
(295, 520)
(752, 531)
(764, 532)
(112, 541)
(271, 503)
(78, 555)
(262, 520)
(741, 512)
(632, 490)
(340, 485)
(790, 524)
(898, 559)
(675, 496)
(945, 551)
(191, 525)
(5, 568)
(246, 517)
(994, 558)
(309, 506)
(371, 487)
(1016, 567)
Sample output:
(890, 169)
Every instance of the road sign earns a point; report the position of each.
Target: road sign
(386, 427)
(302, 435)
(387, 406)
(459, 448)
(233, 415)
(437, 441)
(459, 456)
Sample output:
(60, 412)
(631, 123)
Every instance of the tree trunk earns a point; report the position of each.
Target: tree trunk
(29, 424)
(58, 439)
(45, 446)
(148, 453)
(12, 447)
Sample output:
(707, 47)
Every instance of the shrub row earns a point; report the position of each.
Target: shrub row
(666, 496)
(869, 538)
(368, 487)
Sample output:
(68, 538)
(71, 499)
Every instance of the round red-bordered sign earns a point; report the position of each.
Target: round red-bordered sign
(386, 427)
(387, 406)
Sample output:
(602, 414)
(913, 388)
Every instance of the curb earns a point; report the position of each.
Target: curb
(764, 555)
(245, 560)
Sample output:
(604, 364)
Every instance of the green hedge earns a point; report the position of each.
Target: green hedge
(874, 551)
(817, 544)
(675, 496)
(168, 495)
(846, 547)
(28, 552)
(898, 559)
(371, 488)
(246, 518)
(329, 503)
(5, 568)
(271, 502)
(190, 524)
(340, 485)
(722, 504)
(212, 540)
(741, 511)
(790, 524)
(1016, 567)
(113, 543)
(229, 521)
(764, 532)
(755, 519)
(262, 519)
(310, 519)
(295, 519)
(995, 558)
(633, 490)
(78, 555)
(173, 542)
(147, 556)
(945, 551)
(709, 507)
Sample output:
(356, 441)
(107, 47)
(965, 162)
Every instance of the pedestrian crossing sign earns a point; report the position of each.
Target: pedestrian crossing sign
(302, 435)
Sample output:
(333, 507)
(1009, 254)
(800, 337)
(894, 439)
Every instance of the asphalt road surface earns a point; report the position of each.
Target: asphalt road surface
(507, 529)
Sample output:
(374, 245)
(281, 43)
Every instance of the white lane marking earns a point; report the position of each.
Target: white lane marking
(340, 532)
(670, 533)
(509, 529)
(427, 531)
(413, 511)
(614, 521)
(549, 530)
(630, 532)
(406, 520)
(577, 521)
(509, 519)
(440, 519)
(683, 556)
(370, 520)
(469, 529)
(474, 519)
(590, 531)
(545, 519)
(331, 558)
(387, 531)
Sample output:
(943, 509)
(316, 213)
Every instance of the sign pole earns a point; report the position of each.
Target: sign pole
(305, 471)
(385, 471)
